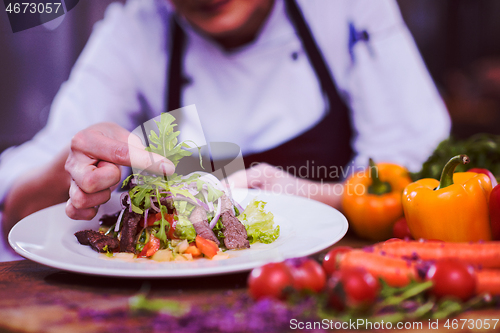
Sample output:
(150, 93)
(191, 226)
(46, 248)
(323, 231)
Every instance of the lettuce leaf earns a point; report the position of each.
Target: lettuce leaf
(184, 229)
(259, 223)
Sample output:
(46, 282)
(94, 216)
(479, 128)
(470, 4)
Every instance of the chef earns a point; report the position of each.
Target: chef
(293, 82)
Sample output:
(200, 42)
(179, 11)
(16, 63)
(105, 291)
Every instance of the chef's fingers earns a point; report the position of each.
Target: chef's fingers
(80, 214)
(111, 143)
(91, 175)
(82, 200)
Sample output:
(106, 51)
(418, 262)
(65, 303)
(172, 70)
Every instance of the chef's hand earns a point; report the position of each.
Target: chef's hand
(266, 177)
(94, 161)
(276, 180)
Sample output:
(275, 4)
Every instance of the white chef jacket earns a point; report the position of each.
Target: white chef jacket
(258, 96)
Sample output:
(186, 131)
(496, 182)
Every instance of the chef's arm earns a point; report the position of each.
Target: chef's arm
(40, 188)
(276, 180)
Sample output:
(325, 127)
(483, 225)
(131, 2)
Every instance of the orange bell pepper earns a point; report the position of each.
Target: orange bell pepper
(454, 209)
(372, 199)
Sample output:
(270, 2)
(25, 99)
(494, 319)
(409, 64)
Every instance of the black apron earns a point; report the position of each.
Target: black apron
(317, 154)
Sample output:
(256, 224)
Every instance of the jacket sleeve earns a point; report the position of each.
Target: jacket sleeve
(104, 85)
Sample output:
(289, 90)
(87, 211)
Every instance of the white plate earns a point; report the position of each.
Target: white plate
(306, 227)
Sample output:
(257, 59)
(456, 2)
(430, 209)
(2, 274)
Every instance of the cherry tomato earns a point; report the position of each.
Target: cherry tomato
(452, 277)
(401, 230)
(330, 260)
(307, 274)
(270, 281)
(352, 287)
(150, 248)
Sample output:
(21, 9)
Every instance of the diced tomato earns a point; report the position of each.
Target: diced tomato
(207, 247)
(150, 248)
(170, 219)
(152, 218)
(193, 250)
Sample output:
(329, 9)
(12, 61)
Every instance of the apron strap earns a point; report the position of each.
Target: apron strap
(175, 82)
(313, 53)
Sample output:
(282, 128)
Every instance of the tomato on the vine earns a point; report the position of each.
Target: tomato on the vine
(452, 278)
(307, 274)
(352, 287)
(330, 260)
(270, 280)
(401, 230)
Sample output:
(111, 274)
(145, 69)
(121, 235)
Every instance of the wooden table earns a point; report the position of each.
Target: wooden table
(35, 298)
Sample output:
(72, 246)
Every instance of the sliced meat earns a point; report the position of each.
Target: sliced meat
(96, 240)
(129, 231)
(199, 220)
(235, 234)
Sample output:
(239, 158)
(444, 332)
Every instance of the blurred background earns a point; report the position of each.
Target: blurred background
(458, 39)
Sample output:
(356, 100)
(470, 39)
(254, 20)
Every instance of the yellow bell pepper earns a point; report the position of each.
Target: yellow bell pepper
(372, 199)
(454, 209)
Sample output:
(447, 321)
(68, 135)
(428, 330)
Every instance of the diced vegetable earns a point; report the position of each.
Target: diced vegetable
(207, 247)
(193, 250)
(182, 246)
(162, 255)
(150, 248)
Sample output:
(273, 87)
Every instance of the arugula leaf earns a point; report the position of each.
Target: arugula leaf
(165, 143)
(164, 225)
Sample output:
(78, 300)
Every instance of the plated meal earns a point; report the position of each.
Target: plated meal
(159, 221)
(178, 217)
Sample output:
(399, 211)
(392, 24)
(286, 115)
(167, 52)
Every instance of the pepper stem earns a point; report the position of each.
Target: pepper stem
(377, 187)
(449, 169)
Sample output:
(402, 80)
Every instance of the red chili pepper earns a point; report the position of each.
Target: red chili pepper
(494, 207)
(487, 173)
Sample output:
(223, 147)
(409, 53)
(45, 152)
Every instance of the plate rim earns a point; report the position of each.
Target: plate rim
(154, 274)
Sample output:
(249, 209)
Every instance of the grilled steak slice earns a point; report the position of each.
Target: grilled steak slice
(129, 231)
(199, 220)
(96, 240)
(235, 234)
